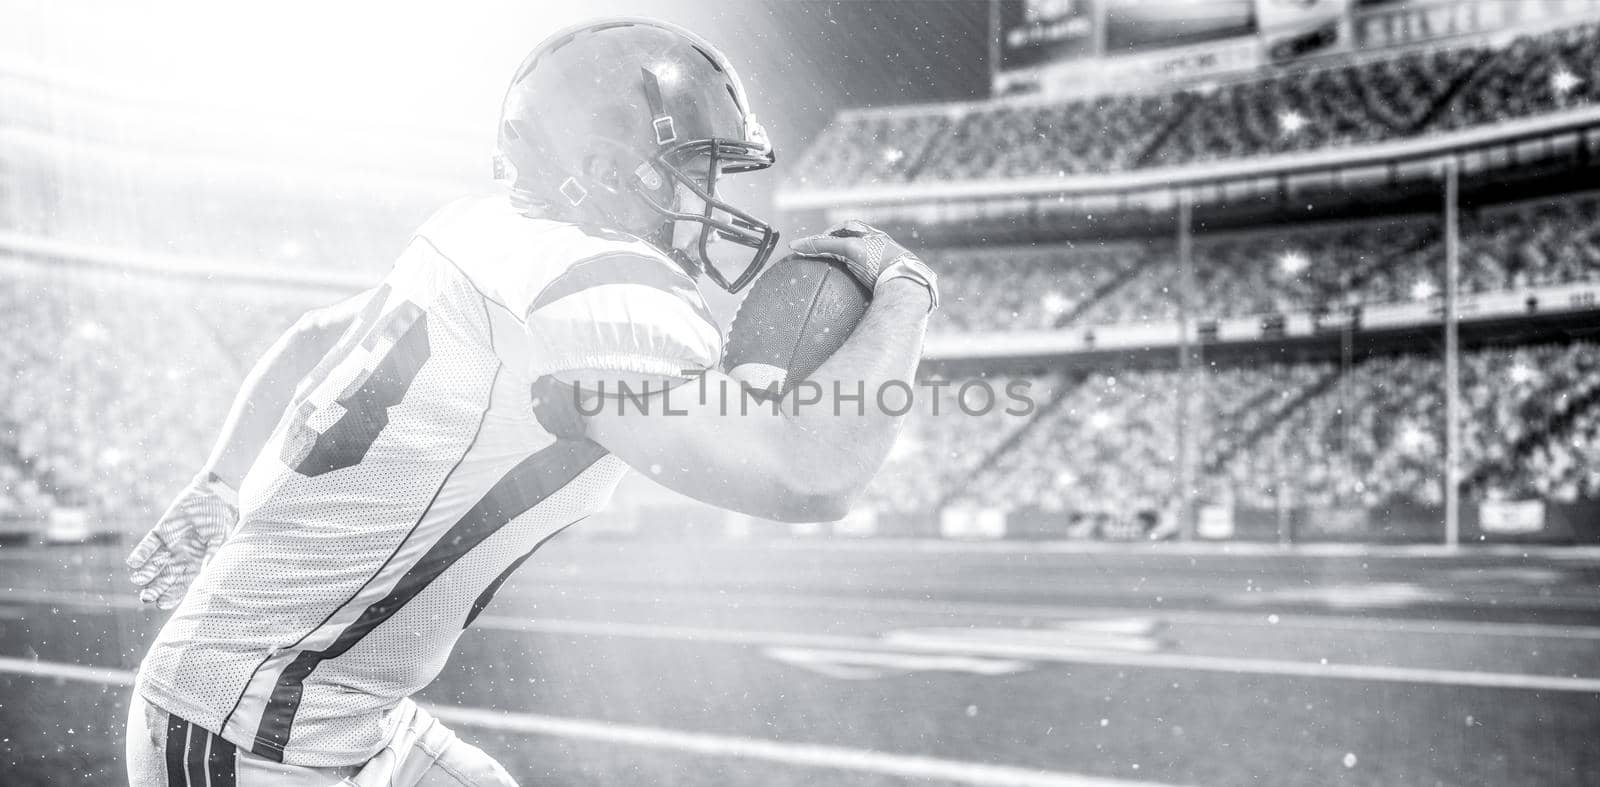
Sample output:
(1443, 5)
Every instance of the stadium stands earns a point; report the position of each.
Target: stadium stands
(1270, 270)
(1280, 434)
(117, 388)
(1308, 107)
(947, 443)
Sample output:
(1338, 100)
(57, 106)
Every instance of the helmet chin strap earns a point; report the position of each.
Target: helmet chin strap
(685, 260)
(663, 239)
(664, 234)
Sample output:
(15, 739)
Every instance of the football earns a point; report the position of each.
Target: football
(797, 314)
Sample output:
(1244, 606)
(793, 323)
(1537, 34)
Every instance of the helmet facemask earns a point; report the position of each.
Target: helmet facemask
(729, 223)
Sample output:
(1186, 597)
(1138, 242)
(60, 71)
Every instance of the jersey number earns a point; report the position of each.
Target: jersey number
(365, 402)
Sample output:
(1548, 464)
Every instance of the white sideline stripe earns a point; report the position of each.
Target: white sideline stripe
(130, 600)
(1063, 655)
(108, 676)
(802, 754)
(808, 755)
(1206, 549)
(1286, 620)
(1075, 612)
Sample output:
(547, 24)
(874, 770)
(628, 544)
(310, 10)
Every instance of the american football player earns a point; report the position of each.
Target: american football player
(397, 456)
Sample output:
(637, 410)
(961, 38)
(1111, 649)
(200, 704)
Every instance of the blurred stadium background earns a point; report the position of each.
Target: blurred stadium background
(1307, 293)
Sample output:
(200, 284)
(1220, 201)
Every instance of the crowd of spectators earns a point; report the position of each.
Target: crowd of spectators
(1513, 392)
(1533, 74)
(1105, 434)
(1271, 435)
(1376, 435)
(1264, 271)
(953, 429)
(1031, 287)
(114, 389)
(1306, 107)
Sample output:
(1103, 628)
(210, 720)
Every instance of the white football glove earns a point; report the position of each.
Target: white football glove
(169, 557)
(870, 255)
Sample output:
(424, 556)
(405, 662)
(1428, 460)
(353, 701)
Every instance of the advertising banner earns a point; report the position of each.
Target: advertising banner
(981, 524)
(1511, 517)
(1215, 522)
(1039, 32)
(1398, 22)
(1134, 25)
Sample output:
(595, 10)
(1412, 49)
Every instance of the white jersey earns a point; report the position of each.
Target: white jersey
(424, 459)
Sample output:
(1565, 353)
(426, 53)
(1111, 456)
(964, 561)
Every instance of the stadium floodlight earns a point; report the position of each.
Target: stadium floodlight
(1413, 438)
(1564, 81)
(1291, 121)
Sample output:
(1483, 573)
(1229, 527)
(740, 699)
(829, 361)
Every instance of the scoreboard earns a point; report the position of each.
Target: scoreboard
(1063, 46)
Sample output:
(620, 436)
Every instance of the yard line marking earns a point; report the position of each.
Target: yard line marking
(1143, 551)
(808, 755)
(933, 642)
(699, 634)
(867, 664)
(1252, 618)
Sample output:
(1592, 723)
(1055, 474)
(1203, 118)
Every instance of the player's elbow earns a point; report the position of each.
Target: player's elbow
(788, 474)
(802, 506)
(781, 492)
(819, 489)
(786, 486)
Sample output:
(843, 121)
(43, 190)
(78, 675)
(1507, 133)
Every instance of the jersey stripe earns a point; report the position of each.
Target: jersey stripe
(622, 268)
(220, 762)
(196, 760)
(526, 485)
(487, 595)
(177, 739)
(365, 401)
(347, 342)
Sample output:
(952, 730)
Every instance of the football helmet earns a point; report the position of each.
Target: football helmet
(604, 121)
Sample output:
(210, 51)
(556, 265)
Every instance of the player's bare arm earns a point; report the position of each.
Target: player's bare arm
(802, 463)
(166, 560)
(271, 384)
